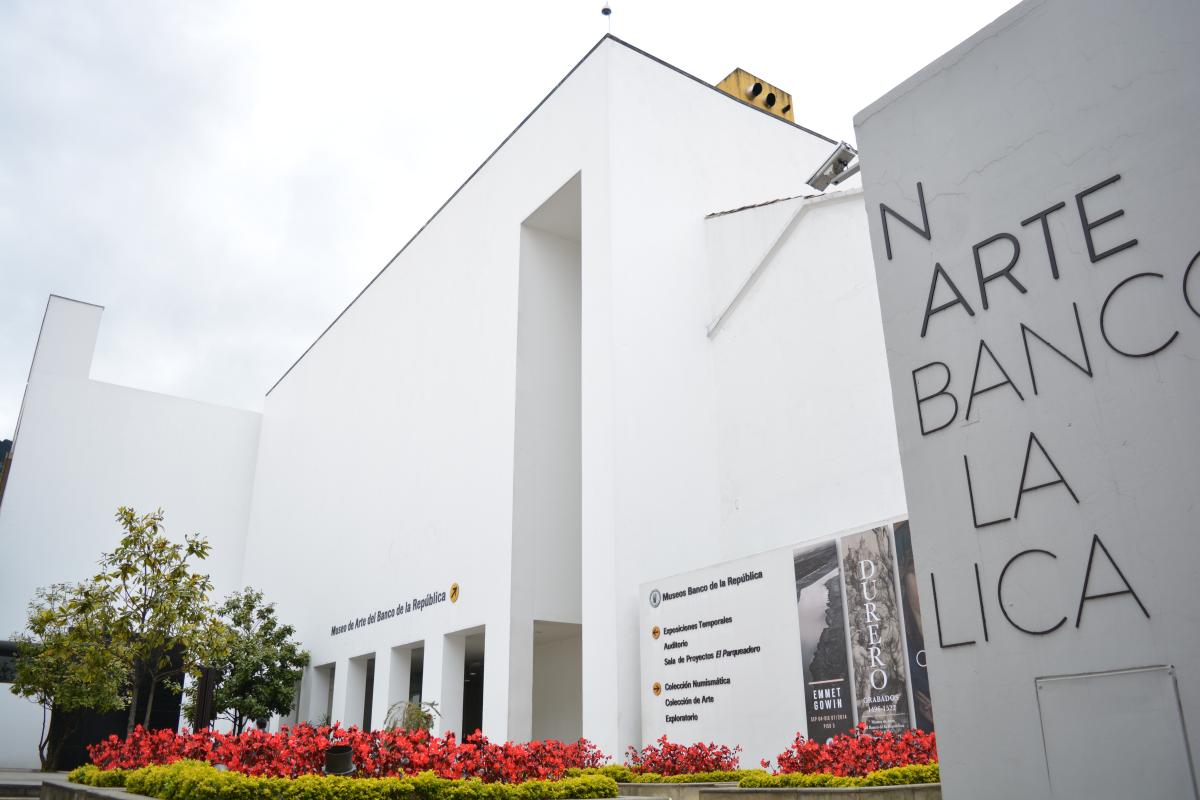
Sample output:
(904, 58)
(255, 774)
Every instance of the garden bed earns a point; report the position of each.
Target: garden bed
(413, 765)
(191, 780)
(62, 790)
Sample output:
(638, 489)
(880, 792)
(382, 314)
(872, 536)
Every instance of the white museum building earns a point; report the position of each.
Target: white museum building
(612, 447)
(636, 342)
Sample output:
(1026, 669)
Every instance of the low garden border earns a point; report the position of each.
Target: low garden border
(62, 790)
(190, 780)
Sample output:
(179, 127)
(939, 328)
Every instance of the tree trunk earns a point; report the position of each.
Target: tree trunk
(67, 730)
(133, 701)
(43, 741)
(150, 700)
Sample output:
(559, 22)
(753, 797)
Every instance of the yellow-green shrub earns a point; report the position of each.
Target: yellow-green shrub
(896, 776)
(796, 780)
(618, 772)
(902, 776)
(719, 776)
(622, 774)
(193, 780)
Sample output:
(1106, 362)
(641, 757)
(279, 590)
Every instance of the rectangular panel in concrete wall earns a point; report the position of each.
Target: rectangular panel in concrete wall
(1083, 715)
(1032, 204)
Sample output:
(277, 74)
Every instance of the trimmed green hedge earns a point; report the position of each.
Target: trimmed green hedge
(622, 774)
(194, 780)
(617, 772)
(727, 776)
(896, 776)
(102, 778)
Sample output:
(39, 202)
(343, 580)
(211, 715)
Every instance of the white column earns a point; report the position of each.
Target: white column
(356, 688)
(516, 652)
(392, 670)
(379, 694)
(599, 492)
(315, 693)
(340, 681)
(443, 680)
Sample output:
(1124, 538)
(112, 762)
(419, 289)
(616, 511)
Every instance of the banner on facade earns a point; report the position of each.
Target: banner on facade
(914, 631)
(828, 697)
(877, 647)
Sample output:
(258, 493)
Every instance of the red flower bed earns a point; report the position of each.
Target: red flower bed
(300, 750)
(669, 758)
(858, 752)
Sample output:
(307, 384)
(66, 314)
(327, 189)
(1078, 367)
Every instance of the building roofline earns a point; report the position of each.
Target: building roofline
(521, 124)
(73, 300)
(42, 329)
(708, 85)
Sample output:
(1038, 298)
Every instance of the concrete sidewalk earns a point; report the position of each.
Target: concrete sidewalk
(13, 778)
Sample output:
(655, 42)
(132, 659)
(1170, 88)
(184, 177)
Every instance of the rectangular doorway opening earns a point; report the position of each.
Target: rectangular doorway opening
(415, 672)
(472, 702)
(368, 694)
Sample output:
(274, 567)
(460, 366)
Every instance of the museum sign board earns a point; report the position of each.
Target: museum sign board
(811, 639)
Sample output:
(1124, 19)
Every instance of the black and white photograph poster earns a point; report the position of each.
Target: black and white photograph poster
(828, 699)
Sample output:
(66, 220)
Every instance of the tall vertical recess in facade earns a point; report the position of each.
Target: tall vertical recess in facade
(547, 519)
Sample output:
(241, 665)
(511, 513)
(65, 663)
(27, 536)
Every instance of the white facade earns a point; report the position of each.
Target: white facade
(82, 448)
(1047, 167)
(569, 382)
(806, 439)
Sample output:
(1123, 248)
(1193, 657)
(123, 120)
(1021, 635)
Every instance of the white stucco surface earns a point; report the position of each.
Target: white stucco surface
(806, 435)
(20, 732)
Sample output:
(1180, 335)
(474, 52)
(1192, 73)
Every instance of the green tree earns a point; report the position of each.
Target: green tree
(66, 661)
(258, 674)
(160, 616)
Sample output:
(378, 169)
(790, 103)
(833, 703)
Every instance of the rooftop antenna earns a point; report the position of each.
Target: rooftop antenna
(607, 12)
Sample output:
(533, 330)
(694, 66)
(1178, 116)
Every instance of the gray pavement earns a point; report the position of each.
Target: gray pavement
(25, 776)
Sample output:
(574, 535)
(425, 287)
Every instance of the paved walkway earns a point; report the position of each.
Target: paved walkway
(11, 776)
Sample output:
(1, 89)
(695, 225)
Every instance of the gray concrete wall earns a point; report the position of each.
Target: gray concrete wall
(670, 791)
(62, 789)
(1047, 171)
(923, 791)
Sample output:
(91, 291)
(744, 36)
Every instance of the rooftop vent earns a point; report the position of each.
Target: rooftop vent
(758, 93)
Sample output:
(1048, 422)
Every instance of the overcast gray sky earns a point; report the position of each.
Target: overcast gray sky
(224, 177)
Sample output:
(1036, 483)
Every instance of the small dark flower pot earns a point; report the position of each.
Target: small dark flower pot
(338, 760)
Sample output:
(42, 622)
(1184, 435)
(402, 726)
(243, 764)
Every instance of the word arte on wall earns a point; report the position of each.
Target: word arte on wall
(826, 633)
(936, 406)
(401, 608)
